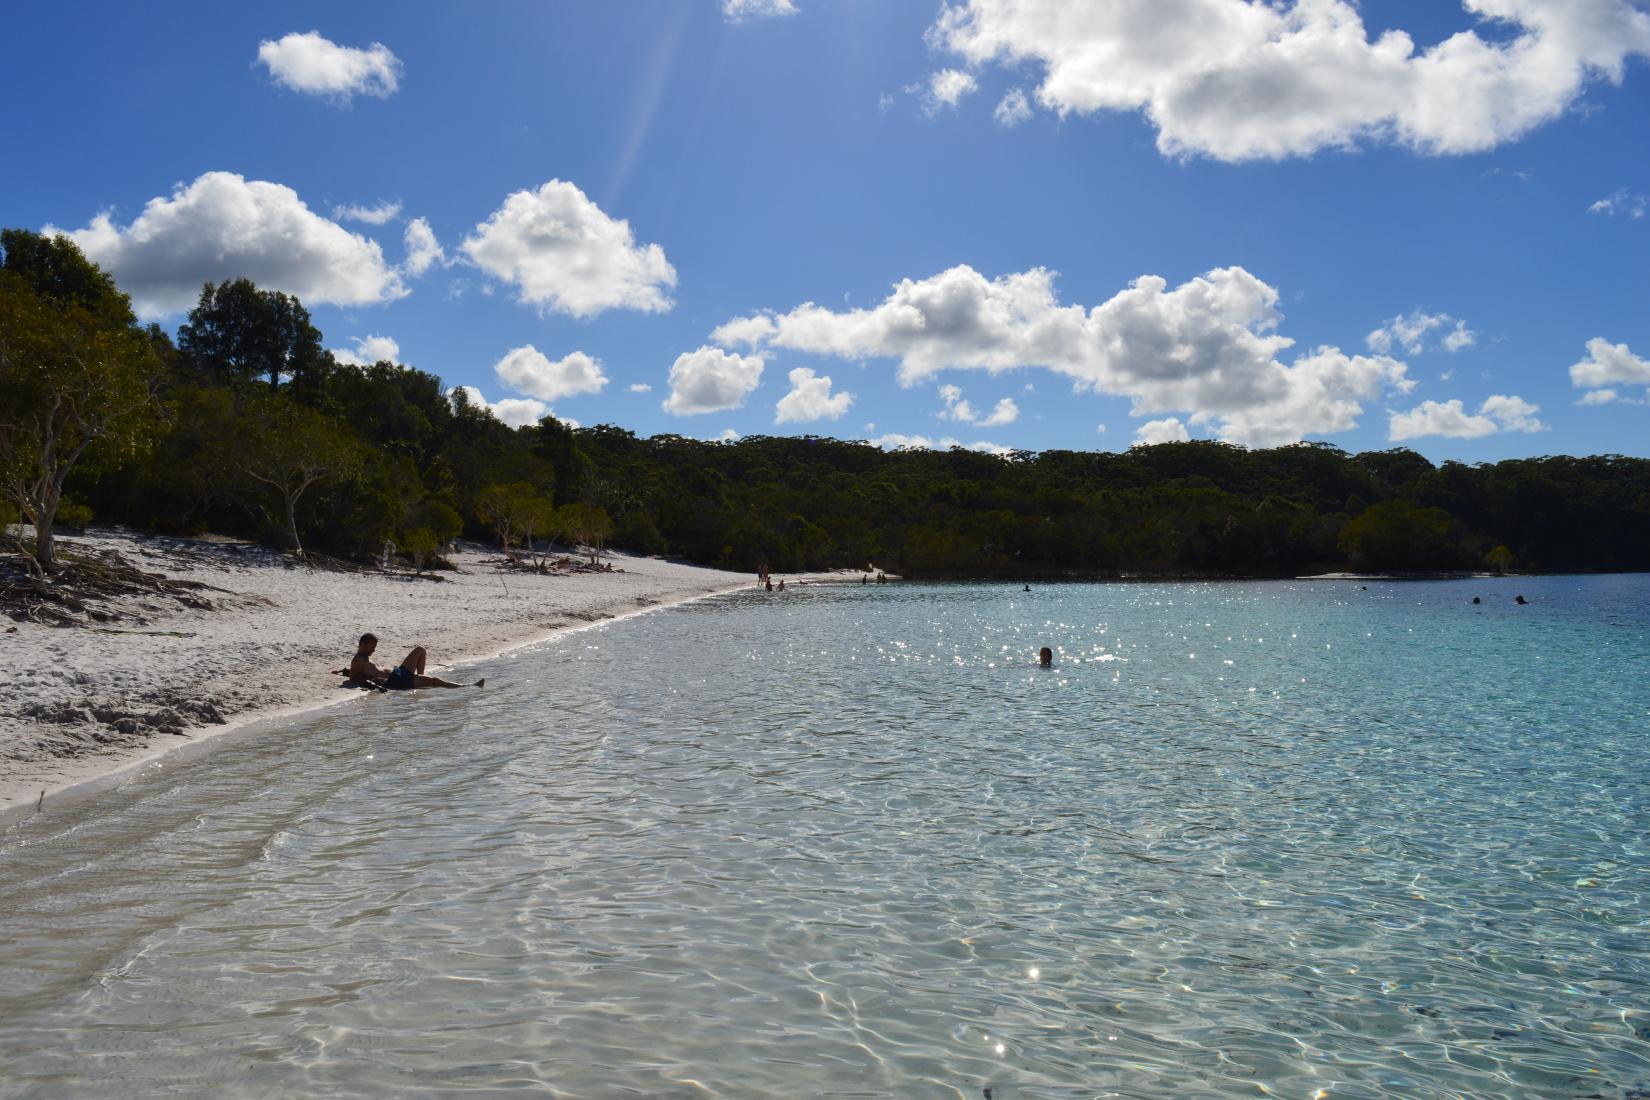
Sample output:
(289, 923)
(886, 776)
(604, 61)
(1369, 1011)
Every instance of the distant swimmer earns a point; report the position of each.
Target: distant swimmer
(1027, 588)
(1520, 600)
(781, 585)
(405, 676)
(1475, 599)
(1045, 657)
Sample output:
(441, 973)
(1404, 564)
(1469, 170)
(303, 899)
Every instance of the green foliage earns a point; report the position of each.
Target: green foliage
(1403, 537)
(420, 543)
(437, 517)
(238, 333)
(587, 525)
(516, 512)
(78, 378)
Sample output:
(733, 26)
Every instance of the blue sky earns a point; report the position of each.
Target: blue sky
(1170, 218)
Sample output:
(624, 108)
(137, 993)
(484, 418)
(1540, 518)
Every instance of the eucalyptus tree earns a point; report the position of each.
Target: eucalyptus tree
(78, 378)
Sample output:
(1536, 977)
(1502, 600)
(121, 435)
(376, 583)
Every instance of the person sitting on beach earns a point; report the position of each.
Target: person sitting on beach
(405, 676)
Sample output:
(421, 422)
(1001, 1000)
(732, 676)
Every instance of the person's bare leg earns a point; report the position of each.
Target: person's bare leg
(438, 682)
(414, 661)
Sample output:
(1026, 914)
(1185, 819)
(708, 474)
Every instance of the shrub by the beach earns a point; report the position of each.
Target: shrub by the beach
(517, 513)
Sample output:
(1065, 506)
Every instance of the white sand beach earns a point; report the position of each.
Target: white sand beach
(80, 702)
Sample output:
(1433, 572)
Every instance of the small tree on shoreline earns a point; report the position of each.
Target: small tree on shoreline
(78, 378)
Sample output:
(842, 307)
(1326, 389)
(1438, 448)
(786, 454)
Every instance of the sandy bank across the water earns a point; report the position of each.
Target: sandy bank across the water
(83, 704)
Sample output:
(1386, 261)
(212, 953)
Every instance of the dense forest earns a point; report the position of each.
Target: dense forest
(245, 425)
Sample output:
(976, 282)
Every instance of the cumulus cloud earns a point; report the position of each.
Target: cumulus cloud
(528, 370)
(313, 65)
(381, 214)
(811, 399)
(369, 350)
(1013, 109)
(1608, 364)
(639, 387)
(1622, 202)
(711, 380)
(1450, 419)
(1003, 412)
(946, 88)
(736, 11)
(1412, 332)
(1208, 346)
(423, 250)
(223, 226)
(517, 412)
(1168, 430)
(1240, 79)
(563, 253)
(1598, 397)
(956, 408)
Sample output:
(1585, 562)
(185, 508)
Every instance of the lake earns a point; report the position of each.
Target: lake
(1307, 839)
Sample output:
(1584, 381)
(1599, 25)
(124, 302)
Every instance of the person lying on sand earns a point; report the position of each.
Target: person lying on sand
(405, 676)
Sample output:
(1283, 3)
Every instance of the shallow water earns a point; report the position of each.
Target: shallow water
(1260, 839)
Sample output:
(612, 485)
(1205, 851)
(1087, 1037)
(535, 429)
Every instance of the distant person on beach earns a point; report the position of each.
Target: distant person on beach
(1045, 657)
(782, 584)
(405, 676)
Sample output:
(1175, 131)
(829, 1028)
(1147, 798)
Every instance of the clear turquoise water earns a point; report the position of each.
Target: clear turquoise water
(1247, 840)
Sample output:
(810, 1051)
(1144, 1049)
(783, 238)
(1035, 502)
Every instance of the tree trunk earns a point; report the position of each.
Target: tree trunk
(292, 523)
(45, 544)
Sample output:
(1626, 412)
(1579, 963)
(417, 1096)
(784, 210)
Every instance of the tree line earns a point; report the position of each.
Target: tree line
(245, 424)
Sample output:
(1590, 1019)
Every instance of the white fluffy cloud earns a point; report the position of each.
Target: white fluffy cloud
(223, 226)
(811, 399)
(423, 250)
(946, 88)
(1450, 419)
(639, 387)
(1609, 364)
(711, 380)
(1598, 397)
(313, 65)
(1167, 430)
(528, 370)
(1411, 333)
(1242, 79)
(957, 408)
(562, 253)
(369, 350)
(381, 214)
(1208, 346)
(737, 10)
(517, 412)
(1012, 109)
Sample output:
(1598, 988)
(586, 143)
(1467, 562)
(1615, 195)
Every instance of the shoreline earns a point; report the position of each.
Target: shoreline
(104, 773)
(85, 706)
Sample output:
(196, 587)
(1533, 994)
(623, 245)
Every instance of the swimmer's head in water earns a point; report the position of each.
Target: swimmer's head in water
(1045, 656)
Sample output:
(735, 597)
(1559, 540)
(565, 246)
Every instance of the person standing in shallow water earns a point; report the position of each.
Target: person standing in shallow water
(1045, 657)
(405, 676)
